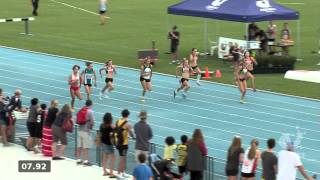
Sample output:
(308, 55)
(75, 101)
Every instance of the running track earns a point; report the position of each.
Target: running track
(213, 107)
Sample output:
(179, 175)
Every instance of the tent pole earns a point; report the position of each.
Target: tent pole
(299, 58)
(205, 36)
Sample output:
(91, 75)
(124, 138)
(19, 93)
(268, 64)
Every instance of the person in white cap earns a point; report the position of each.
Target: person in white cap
(288, 162)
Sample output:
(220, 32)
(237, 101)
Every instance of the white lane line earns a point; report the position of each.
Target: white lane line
(81, 9)
(202, 117)
(129, 87)
(278, 108)
(167, 75)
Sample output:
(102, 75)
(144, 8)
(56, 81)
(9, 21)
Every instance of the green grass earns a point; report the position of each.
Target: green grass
(70, 32)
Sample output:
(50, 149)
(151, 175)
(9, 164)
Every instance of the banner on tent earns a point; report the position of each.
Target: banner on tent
(226, 43)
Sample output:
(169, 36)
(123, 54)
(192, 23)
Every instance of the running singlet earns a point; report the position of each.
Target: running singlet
(88, 76)
(185, 69)
(75, 80)
(109, 71)
(249, 165)
(103, 6)
(147, 70)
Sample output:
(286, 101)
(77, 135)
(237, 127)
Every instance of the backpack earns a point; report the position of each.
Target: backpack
(82, 116)
(116, 136)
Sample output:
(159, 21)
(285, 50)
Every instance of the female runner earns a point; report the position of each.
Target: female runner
(110, 70)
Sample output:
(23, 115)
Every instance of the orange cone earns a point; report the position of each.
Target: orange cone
(218, 73)
(207, 74)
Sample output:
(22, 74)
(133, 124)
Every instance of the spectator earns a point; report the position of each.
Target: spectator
(142, 171)
(174, 36)
(251, 160)
(106, 130)
(143, 135)
(269, 161)
(182, 155)
(59, 134)
(32, 126)
(288, 162)
(15, 104)
(234, 158)
(164, 169)
(47, 131)
(196, 158)
(123, 126)
(272, 34)
(169, 148)
(84, 139)
(3, 119)
(252, 30)
(285, 32)
(263, 38)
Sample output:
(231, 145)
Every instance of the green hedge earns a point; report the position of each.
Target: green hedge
(274, 64)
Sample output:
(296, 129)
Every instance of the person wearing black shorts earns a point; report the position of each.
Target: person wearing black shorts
(32, 125)
(145, 77)
(89, 77)
(185, 74)
(109, 70)
(174, 36)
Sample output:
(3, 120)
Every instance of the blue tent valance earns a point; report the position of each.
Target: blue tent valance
(234, 10)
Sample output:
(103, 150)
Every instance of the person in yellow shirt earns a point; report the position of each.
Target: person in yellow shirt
(169, 148)
(123, 146)
(182, 155)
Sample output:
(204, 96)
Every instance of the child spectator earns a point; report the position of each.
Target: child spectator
(142, 171)
(182, 155)
(169, 148)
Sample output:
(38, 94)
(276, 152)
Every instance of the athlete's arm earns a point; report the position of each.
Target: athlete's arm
(100, 70)
(114, 69)
(141, 71)
(178, 67)
(95, 78)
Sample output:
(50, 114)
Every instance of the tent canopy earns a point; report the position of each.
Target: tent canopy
(234, 10)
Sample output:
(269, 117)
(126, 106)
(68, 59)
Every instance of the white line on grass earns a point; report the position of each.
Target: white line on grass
(81, 9)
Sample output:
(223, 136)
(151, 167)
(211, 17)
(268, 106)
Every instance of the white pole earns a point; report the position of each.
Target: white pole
(299, 58)
(205, 36)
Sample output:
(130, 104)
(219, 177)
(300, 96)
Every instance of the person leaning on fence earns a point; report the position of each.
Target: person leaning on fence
(234, 158)
(105, 132)
(3, 123)
(143, 135)
(84, 140)
(59, 134)
(33, 129)
(196, 158)
(122, 131)
(15, 104)
(47, 131)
